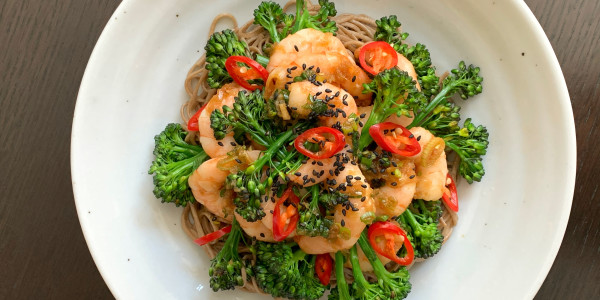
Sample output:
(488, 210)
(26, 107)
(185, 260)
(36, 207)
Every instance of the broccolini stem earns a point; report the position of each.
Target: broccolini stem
(273, 148)
(356, 271)
(342, 285)
(263, 60)
(425, 114)
(363, 242)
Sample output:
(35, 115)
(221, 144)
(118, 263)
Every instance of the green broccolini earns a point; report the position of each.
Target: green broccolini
(311, 222)
(470, 143)
(283, 270)
(389, 285)
(226, 268)
(175, 160)
(420, 222)
(220, 46)
(388, 30)
(270, 15)
(388, 86)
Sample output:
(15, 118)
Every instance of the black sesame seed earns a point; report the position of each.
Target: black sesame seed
(293, 68)
(237, 160)
(363, 115)
(411, 136)
(418, 138)
(296, 47)
(318, 70)
(412, 176)
(343, 223)
(303, 66)
(297, 173)
(262, 234)
(344, 212)
(327, 91)
(220, 144)
(233, 144)
(394, 183)
(353, 78)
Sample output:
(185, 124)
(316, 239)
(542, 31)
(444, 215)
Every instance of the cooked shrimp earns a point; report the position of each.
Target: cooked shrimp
(348, 225)
(397, 193)
(313, 171)
(431, 165)
(256, 229)
(340, 104)
(321, 52)
(208, 180)
(308, 42)
(224, 97)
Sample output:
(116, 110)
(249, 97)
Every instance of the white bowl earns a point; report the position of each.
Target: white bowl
(511, 224)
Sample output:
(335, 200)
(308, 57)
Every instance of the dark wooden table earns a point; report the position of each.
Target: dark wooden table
(44, 48)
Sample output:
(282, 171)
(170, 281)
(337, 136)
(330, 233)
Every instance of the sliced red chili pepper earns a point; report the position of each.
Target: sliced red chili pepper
(388, 138)
(213, 236)
(280, 219)
(242, 74)
(389, 231)
(380, 55)
(452, 199)
(192, 124)
(329, 141)
(323, 268)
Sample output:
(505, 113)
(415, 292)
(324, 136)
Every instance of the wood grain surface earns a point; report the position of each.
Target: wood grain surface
(44, 48)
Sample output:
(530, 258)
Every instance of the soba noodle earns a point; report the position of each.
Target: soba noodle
(354, 31)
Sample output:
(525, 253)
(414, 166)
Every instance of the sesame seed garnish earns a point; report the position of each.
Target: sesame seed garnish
(343, 223)
(296, 47)
(394, 183)
(298, 174)
(237, 160)
(363, 115)
(353, 78)
(412, 176)
(327, 91)
(262, 234)
(318, 70)
(418, 138)
(303, 66)
(233, 144)
(220, 144)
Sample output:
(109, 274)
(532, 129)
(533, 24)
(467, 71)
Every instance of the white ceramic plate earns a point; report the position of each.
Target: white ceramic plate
(511, 223)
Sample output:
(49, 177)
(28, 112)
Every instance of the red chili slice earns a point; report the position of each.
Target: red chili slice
(387, 137)
(192, 124)
(241, 74)
(380, 55)
(452, 199)
(213, 236)
(329, 141)
(388, 231)
(323, 268)
(280, 219)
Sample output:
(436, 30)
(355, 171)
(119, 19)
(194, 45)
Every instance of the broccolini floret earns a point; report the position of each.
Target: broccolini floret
(388, 86)
(175, 160)
(220, 46)
(283, 270)
(270, 16)
(389, 285)
(470, 144)
(311, 221)
(226, 268)
(420, 222)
